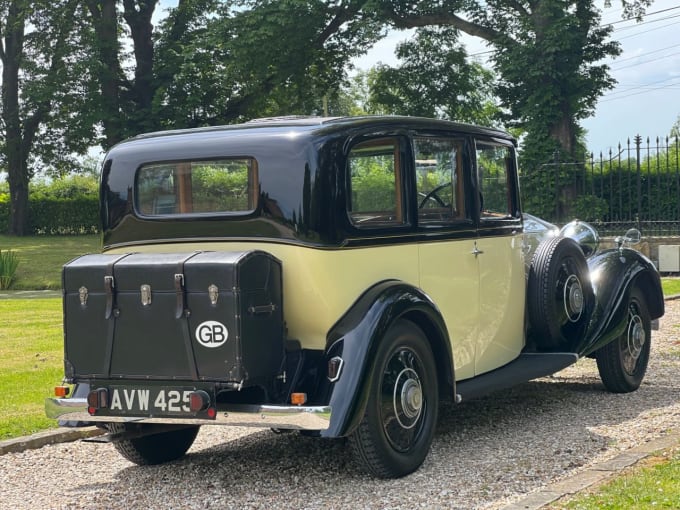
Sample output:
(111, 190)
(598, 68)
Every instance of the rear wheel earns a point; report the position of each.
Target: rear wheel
(623, 363)
(154, 448)
(396, 431)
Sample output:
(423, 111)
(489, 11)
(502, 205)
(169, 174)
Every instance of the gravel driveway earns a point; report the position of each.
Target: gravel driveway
(486, 453)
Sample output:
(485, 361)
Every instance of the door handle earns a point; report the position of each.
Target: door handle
(476, 251)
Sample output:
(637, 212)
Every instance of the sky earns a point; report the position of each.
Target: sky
(646, 99)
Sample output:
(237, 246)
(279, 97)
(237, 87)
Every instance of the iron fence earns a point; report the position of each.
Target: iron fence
(635, 185)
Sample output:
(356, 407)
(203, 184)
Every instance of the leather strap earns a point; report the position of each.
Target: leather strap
(183, 313)
(111, 312)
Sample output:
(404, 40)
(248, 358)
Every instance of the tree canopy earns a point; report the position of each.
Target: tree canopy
(79, 73)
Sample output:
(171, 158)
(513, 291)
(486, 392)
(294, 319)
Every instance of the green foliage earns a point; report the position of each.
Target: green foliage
(373, 184)
(63, 206)
(590, 208)
(8, 267)
(220, 188)
(606, 190)
(435, 78)
(257, 59)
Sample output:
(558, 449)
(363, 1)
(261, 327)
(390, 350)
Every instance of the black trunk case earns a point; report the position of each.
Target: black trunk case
(210, 316)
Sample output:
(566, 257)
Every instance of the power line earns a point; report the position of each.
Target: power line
(642, 22)
(645, 89)
(618, 61)
(647, 31)
(644, 62)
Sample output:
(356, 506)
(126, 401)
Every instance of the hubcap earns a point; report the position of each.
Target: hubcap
(403, 401)
(573, 298)
(635, 340)
(411, 397)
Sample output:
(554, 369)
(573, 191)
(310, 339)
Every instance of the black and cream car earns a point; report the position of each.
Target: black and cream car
(338, 276)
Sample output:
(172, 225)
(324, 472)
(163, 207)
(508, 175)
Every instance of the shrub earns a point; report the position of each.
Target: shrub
(8, 267)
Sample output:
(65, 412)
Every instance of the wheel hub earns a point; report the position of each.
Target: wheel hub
(636, 336)
(573, 298)
(407, 398)
(411, 398)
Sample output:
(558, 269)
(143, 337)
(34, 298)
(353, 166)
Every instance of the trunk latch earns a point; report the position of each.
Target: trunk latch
(145, 291)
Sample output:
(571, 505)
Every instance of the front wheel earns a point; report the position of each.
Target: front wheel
(622, 363)
(154, 448)
(396, 431)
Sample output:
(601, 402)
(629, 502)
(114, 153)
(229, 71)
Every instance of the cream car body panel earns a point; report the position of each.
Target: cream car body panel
(502, 290)
(316, 282)
(449, 274)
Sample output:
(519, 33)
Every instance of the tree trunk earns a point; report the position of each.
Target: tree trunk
(138, 18)
(105, 23)
(16, 160)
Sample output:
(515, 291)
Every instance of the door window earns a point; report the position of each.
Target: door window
(494, 165)
(438, 183)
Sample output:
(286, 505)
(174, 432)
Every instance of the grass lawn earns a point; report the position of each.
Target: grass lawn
(671, 286)
(41, 258)
(652, 485)
(31, 357)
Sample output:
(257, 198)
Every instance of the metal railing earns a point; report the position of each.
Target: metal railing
(635, 185)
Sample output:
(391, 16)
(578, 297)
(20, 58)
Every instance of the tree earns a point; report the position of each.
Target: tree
(547, 57)
(260, 60)
(38, 39)
(435, 79)
(675, 130)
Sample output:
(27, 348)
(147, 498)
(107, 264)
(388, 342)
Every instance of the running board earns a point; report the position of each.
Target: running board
(524, 368)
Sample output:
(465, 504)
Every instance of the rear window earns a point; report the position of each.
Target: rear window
(197, 187)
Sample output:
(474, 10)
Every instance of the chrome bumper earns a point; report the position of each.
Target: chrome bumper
(265, 416)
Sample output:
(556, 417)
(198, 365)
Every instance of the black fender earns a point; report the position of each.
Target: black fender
(614, 273)
(356, 336)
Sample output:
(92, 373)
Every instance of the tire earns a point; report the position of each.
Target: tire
(622, 363)
(398, 425)
(155, 448)
(560, 296)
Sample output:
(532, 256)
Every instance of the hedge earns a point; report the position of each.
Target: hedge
(52, 215)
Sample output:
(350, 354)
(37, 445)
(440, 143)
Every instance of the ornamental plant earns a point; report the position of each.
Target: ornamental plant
(9, 261)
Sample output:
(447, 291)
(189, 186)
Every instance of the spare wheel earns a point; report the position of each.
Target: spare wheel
(560, 295)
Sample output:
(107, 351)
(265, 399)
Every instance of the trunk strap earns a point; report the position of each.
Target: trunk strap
(183, 313)
(111, 312)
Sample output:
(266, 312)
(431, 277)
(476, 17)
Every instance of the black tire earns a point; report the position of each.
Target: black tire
(560, 296)
(622, 363)
(398, 425)
(155, 448)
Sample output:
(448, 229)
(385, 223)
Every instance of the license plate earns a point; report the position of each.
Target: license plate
(149, 401)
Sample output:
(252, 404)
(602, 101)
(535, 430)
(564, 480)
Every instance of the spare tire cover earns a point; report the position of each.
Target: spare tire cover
(560, 295)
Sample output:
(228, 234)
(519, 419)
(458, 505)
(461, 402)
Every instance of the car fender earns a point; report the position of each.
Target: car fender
(614, 273)
(355, 339)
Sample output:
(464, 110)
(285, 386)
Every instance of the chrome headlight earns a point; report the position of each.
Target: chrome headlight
(584, 234)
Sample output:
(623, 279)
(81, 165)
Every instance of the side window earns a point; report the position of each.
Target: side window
(438, 181)
(375, 187)
(494, 164)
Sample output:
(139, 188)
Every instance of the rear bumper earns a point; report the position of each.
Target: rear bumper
(264, 416)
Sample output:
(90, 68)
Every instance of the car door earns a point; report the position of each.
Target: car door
(499, 254)
(448, 269)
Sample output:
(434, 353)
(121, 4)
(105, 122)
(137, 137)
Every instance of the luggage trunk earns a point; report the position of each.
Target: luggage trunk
(203, 316)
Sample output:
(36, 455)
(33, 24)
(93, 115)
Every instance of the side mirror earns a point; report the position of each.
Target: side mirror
(631, 237)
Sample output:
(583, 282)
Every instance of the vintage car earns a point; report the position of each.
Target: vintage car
(337, 276)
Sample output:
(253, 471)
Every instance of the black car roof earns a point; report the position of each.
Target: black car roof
(330, 124)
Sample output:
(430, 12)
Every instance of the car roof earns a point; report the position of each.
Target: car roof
(331, 124)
